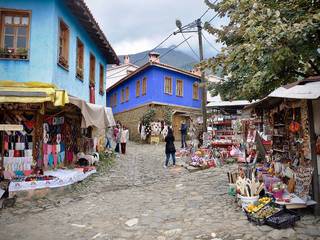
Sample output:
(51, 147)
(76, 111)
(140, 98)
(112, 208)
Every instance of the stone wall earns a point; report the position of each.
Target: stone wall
(131, 118)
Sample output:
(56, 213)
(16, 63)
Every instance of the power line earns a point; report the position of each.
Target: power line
(175, 47)
(140, 59)
(211, 45)
(213, 17)
(205, 13)
(166, 53)
(190, 46)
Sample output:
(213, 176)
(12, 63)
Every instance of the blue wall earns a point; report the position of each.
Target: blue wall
(155, 90)
(42, 64)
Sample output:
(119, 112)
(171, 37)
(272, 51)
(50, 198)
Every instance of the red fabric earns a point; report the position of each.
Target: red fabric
(30, 124)
(92, 95)
(69, 157)
(17, 153)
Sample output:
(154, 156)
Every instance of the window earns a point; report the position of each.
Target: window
(179, 88)
(113, 100)
(168, 85)
(101, 80)
(15, 29)
(80, 59)
(92, 73)
(63, 44)
(144, 86)
(127, 94)
(138, 88)
(195, 91)
(122, 95)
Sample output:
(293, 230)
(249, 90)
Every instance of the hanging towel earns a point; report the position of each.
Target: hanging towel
(49, 149)
(55, 159)
(45, 160)
(69, 156)
(54, 149)
(50, 159)
(58, 148)
(62, 147)
(45, 148)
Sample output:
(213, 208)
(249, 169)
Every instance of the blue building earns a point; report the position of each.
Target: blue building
(155, 85)
(56, 42)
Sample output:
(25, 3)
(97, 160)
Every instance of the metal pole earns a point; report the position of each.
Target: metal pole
(203, 80)
(315, 177)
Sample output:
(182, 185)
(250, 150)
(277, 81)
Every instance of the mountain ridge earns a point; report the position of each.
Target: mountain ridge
(175, 58)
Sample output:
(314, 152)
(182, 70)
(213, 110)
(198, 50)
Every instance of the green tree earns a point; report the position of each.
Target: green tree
(267, 43)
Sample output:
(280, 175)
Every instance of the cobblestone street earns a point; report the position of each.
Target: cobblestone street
(139, 199)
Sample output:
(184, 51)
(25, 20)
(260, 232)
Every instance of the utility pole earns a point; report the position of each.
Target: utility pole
(185, 29)
(203, 79)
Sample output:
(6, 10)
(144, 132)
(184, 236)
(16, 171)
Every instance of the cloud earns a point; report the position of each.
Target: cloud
(136, 25)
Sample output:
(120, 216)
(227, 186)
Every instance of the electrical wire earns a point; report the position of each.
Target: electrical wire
(213, 18)
(140, 59)
(210, 44)
(166, 53)
(190, 46)
(205, 13)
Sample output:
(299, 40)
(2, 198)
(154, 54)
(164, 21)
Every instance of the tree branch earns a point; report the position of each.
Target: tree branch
(314, 66)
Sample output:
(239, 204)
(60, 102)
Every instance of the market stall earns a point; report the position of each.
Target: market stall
(288, 170)
(54, 136)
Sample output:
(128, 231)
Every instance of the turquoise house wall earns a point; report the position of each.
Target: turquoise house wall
(39, 67)
(67, 79)
(155, 90)
(42, 64)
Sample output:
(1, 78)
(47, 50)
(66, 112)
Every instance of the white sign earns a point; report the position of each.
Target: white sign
(11, 127)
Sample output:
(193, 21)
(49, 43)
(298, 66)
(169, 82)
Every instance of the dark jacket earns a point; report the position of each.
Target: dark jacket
(184, 129)
(170, 148)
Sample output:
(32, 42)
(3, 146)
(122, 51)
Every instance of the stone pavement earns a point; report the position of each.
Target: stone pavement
(139, 199)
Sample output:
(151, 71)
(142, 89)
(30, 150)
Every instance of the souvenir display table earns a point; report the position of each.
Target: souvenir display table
(51, 179)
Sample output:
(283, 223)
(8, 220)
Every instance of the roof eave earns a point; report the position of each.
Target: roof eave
(161, 65)
(86, 19)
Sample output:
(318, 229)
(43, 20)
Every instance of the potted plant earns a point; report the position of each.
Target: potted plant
(22, 53)
(6, 52)
(79, 73)
(9, 53)
(2, 52)
(63, 62)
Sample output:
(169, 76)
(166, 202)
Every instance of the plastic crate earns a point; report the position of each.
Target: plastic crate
(283, 219)
(260, 221)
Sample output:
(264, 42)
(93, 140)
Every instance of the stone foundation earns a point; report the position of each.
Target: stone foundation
(131, 118)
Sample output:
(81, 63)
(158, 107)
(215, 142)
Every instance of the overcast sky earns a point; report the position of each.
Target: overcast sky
(133, 26)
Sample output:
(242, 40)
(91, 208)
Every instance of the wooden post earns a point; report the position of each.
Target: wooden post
(315, 177)
(2, 153)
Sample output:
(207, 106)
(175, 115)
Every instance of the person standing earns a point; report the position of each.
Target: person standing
(109, 133)
(184, 131)
(170, 148)
(124, 139)
(116, 135)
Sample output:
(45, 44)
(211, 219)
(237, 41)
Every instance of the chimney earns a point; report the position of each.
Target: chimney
(196, 71)
(126, 59)
(154, 57)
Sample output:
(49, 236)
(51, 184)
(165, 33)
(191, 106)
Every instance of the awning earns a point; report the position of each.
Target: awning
(93, 115)
(228, 103)
(310, 90)
(32, 92)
